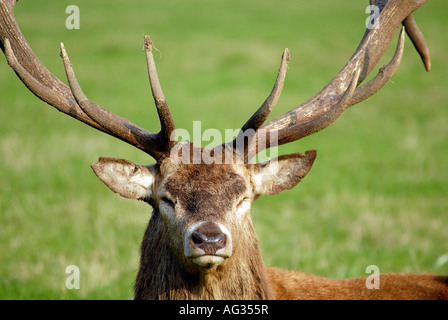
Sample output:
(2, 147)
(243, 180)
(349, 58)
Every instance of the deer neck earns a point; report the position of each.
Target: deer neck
(162, 275)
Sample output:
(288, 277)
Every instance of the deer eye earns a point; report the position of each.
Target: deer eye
(243, 204)
(167, 202)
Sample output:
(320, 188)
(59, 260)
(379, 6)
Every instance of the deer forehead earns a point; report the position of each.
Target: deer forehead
(198, 186)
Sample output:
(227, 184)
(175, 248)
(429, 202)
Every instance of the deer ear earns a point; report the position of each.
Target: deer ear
(126, 178)
(282, 173)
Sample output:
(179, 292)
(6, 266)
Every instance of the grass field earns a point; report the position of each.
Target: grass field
(377, 194)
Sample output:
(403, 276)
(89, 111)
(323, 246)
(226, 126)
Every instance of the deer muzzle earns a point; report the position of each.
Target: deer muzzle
(208, 243)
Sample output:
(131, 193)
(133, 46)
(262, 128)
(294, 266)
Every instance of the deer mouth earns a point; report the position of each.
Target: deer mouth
(208, 261)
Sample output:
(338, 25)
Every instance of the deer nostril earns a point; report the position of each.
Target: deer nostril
(209, 243)
(220, 240)
(198, 238)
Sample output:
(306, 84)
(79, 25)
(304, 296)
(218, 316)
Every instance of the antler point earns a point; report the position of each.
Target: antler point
(148, 43)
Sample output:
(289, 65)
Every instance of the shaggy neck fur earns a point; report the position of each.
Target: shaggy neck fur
(162, 276)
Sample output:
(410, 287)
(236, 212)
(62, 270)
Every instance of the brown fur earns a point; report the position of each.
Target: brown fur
(289, 285)
(163, 276)
(204, 194)
(243, 276)
(209, 193)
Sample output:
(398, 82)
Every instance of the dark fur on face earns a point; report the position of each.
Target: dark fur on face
(206, 194)
(200, 193)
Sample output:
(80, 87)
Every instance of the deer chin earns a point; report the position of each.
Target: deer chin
(208, 261)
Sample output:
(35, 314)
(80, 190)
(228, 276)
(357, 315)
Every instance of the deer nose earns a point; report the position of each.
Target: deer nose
(210, 242)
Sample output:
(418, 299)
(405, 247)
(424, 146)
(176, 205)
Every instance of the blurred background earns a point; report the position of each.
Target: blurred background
(377, 194)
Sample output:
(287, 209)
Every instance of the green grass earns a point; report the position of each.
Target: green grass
(377, 193)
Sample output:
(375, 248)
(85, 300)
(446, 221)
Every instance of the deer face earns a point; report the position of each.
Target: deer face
(204, 207)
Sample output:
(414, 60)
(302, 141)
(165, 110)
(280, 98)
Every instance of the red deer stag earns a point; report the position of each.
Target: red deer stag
(200, 242)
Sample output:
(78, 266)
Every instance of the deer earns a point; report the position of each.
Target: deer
(200, 241)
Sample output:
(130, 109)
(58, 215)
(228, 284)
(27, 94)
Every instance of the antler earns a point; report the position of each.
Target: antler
(71, 100)
(341, 92)
(310, 117)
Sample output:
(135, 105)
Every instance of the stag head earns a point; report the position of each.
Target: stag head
(205, 206)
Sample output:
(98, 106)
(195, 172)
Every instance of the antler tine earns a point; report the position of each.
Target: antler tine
(414, 34)
(112, 123)
(260, 116)
(372, 47)
(418, 40)
(304, 129)
(384, 74)
(166, 119)
(39, 89)
(71, 100)
(30, 70)
(349, 98)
